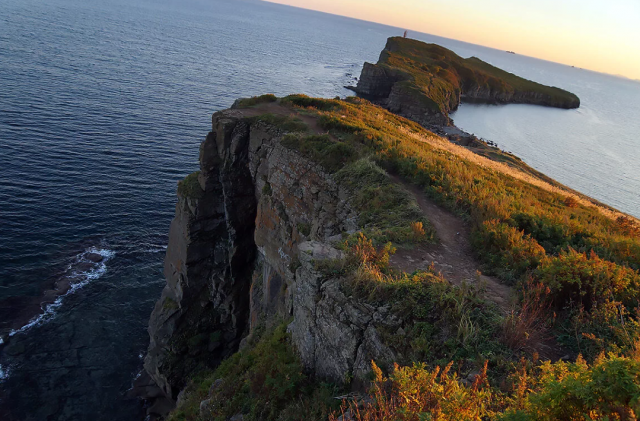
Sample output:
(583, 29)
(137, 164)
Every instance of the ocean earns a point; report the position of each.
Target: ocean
(103, 106)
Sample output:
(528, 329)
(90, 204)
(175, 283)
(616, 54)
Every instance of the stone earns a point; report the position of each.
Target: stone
(204, 407)
(215, 385)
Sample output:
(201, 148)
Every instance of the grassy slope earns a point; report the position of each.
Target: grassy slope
(441, 75)
(578, 264)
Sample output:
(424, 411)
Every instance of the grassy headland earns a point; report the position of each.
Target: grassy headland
(576, 263)
(435, 80)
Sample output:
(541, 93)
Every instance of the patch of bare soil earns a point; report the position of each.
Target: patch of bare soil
(452, 256)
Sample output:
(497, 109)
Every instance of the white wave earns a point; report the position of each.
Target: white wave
(4, 373)
(85, 277)
(155, 250)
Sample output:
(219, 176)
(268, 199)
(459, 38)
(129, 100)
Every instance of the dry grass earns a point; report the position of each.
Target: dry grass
(571, 199)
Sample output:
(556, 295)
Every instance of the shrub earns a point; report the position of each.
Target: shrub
(417, 393)
(608, 327)
(607, 390)
(507, 251)
(585, 279)
(526, 328)
(189, 187)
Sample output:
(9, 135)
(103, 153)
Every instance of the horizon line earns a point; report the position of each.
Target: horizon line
(619, 76)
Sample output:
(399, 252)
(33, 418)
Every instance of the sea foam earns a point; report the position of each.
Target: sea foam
(79, 279)
(4, 373)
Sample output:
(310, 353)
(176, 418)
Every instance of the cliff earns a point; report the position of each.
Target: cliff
(244, 246)
(320, 236)
(425, 82)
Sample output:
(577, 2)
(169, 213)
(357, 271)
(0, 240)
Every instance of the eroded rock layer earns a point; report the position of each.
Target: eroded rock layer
(243, 252)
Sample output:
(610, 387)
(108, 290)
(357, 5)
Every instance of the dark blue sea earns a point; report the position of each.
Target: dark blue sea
(102, 109)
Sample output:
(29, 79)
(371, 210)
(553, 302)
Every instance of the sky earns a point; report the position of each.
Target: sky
(600, 35)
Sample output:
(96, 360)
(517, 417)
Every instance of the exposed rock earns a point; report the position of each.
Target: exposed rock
(244, 253)
(204, 407)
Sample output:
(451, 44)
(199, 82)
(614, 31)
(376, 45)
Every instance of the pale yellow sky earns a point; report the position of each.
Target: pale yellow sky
(601, 35)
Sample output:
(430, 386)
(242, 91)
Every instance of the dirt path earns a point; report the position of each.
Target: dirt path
(453, 255)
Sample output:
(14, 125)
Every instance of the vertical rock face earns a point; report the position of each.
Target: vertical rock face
(243, 251)
(201, 313)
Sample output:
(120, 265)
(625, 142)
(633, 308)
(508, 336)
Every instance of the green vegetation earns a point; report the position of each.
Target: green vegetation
(189, 187)
(523, 228)
(443, 321)
(608, 389)
(437, 77)
(285, 123)
(263, 382)
(332, 155)
(575, 263)
(386, 212)
(255, 100)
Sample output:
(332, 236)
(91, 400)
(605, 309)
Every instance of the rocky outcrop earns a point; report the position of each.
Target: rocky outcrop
(243, 251)
(425, 82)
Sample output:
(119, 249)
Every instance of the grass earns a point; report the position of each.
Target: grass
(255, 100)
(263, 382)
(386, 212)
(576, 262)
(285, 123)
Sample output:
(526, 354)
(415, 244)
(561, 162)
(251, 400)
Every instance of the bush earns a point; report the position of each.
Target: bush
(507, 251)
(262, 382)
(607, 390)
(416, 393)
(586, 279)
(189, 187)
(526, 328)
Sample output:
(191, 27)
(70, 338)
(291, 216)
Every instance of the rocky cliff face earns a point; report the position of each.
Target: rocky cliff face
(243, 251)
(425, 82)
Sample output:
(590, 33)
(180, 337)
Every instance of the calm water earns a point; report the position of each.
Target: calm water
(102, 109)
(594, 149)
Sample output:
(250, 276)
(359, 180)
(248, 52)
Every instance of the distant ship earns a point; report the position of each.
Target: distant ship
(510, 52)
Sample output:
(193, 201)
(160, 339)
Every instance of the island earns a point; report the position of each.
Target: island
(425, 82)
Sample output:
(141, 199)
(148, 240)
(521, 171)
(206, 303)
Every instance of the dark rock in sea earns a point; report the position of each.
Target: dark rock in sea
(94, 257)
